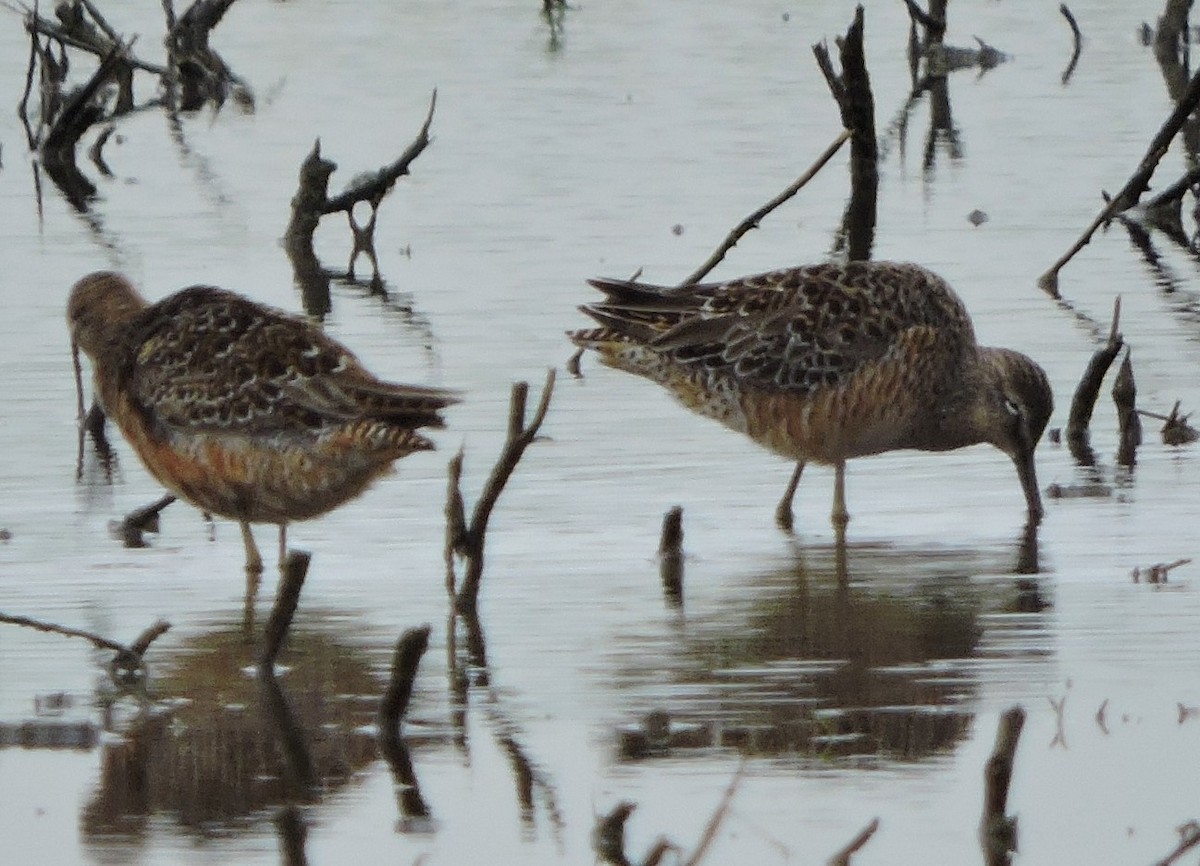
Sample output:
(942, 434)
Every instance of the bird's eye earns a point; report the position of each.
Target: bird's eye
(1011, 407)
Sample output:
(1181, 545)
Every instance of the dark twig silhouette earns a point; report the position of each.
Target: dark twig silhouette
(851, 91)
(753, 220)
(998, 831)
(1077, 38)
(467, 539)
(670, 555)
(312, 201)
(1084, 400)
(1124, 394)
(126, 669)
(1138, 182)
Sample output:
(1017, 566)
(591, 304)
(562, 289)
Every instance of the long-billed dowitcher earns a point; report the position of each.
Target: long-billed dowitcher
(829, 362)
(244, 411)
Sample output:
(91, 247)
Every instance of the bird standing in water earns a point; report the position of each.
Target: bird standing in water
(829, 362)
(243, 410)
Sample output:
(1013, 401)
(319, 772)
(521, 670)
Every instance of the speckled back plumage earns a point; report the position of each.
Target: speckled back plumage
(823, 362)
(244, 410)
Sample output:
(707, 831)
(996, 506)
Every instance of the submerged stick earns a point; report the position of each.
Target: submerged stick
(670, 553)
(1084, 400)
(998, 831)
(842, 858)
(1124, 395)
(467, 539)
(1078, 41)
(851, 91)
(127, 667)
(714, 823)
(1189, 838)
(1137, 183)
(409, 649)
(753, 220)
(287, 599)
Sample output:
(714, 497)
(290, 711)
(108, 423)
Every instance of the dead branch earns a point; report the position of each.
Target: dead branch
(608, 836)
(852, 92)
(998, 832)
(312, 201)
(753, 220)
(714, 823)
(372, 187)
(1189, 838)
(933, 25)
(1124, 393)
(409, 649)
(670, 554)
(1176, 429)
(126, 669)
(467, 539)
(198, 73)
(1077, 36)
(287, 598)
(141, 520)
(842, 858)
(1089, 388)
(293, 836)
(1156, 573)
(79, 112)
(1137, 184)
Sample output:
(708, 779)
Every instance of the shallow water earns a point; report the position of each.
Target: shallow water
(845, 691)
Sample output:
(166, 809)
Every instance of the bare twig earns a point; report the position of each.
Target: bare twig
(714, 823)
(466, 539)
(608, 836)
(312, 201)
(842, 858)
(1077, 36)
(1189, 838)
(1132, 191)
(144, 519)
(127, 668)
(1176, 429)
(1124, 394)
(1156, 573)
(373, 187)
(934, 27)
(753, 220)
(997, 830)
(409, 649)
(670, 553)
(1088, 389)
(287, 598)
(851, 91)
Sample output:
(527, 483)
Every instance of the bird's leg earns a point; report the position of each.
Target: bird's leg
(254, 565)
(783, 511)
(840, 516)
(282, 546)
(254, 569)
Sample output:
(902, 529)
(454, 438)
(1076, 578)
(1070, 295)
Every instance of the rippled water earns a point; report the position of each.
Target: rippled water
(636, 138)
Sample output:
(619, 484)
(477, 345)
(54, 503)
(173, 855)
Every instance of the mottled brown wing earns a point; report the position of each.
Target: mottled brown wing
(210, 360)
(795, 329)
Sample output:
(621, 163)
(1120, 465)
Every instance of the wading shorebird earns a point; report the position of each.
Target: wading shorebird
(244, 411)
(829, 362)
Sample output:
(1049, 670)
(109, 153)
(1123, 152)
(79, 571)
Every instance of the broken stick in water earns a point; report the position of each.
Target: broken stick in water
(1124, 394)
(467, 539)
(998, 831)
(670, 554)
(1088, 389)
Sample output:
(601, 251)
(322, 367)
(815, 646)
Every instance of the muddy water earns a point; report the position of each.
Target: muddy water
(634, 139)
